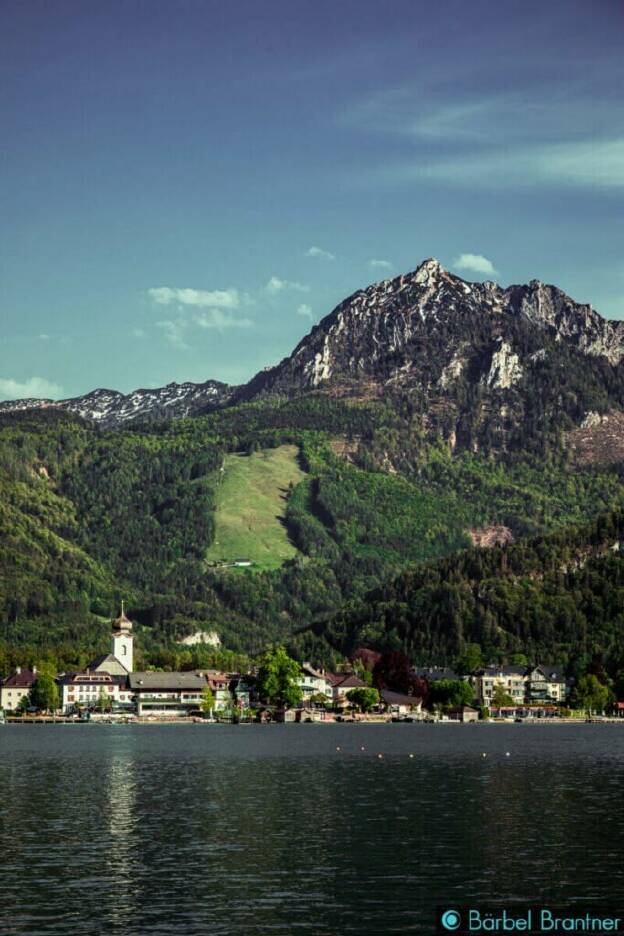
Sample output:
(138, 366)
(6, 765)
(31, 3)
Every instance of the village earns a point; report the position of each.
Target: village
(109, 689)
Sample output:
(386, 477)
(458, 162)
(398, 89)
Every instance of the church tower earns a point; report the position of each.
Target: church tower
(122, 640)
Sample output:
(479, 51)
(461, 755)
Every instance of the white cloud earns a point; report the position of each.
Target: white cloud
(319, 252)
(217, 298)
(220, 320)
(37, 387)
(174, 333)
(475, 263)
(216, 312)
(305, 311)
(138, 333)
(44, 337)
(380, 264)
(277, 285)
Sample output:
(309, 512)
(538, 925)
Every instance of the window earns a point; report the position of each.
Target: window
(124, 649)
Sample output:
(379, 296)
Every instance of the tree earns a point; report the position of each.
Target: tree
(277, 679)
(470, 659)
(44, 694)
(590, 694)
(500, 696)
(104, 702)
(207, 703)
(364, 698)
(451, 692)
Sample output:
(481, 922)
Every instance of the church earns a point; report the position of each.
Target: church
(107, 674)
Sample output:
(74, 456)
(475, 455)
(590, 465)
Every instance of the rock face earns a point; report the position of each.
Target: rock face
(476, 361)
(111, 408)
(430, 327)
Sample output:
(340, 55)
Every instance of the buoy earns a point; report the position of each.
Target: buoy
(337, 748)
(362, 748)
(484, 754)
(507, 754)
(411, 755)
(380, 756)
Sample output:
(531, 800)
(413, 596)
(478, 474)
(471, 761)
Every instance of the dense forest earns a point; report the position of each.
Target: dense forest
(89, 515)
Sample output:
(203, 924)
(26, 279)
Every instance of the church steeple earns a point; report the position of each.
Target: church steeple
(123, 640)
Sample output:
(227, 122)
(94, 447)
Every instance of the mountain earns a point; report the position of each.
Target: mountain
(478, 362)
(112, 408)
(423, 415)
(482, 366)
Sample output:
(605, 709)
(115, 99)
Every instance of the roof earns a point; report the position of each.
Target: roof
(87, 677)
(433, 673)
(397, 698)
(503, 671)
(346, 681)
(107, 662)
(163, 682)
(552, 673)
(22, 680)
(309, 670)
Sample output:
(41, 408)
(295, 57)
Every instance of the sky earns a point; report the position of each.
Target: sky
(187, 186)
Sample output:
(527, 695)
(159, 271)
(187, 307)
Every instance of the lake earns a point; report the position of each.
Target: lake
(239, 830)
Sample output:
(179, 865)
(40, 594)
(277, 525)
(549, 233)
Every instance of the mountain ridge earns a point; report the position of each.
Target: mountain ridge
(453, 346)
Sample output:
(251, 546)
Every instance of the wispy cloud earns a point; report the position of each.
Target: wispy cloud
(174, 332)
(319, 252)
(37, 387)
(305, 311)
(277, 285)
(217, 318)
(475, 263)
(138, 333)
(216, 298)
(583, 164)
(380, 264)
(196, 308)
(500, 139)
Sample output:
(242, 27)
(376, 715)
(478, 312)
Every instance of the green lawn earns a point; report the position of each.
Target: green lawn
(250, 508)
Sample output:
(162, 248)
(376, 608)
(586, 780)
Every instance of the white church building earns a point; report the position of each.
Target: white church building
(107, 674)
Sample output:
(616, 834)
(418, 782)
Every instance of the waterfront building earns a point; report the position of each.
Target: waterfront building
(107, 672)
(396, 703)
(15, 687)
(463, 713)
(85, 689)
(539, 683)
(341, 684)
(546, 684)
(171, 694)
(314, 682)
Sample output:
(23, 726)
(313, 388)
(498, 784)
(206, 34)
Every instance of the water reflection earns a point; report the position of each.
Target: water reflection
(261, 830)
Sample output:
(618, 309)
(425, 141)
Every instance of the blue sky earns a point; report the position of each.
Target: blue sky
(186, 187)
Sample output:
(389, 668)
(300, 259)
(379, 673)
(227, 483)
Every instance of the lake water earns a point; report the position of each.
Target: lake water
(270, 829)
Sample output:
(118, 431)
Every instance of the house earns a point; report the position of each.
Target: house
(171, 694)
(242, 688)
(341, 684)
(14, 688)
(398, 704)
(85, 689)
(539, 683)
(314, 682)
(546, 684)
(463, 713)
(618, 709)
(512, 679)
(219, 684)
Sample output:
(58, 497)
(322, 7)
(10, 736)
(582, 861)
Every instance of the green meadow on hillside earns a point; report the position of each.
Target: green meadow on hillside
(251, 503)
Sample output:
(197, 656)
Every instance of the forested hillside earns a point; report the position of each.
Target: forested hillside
(559, 597)
(89, 515)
